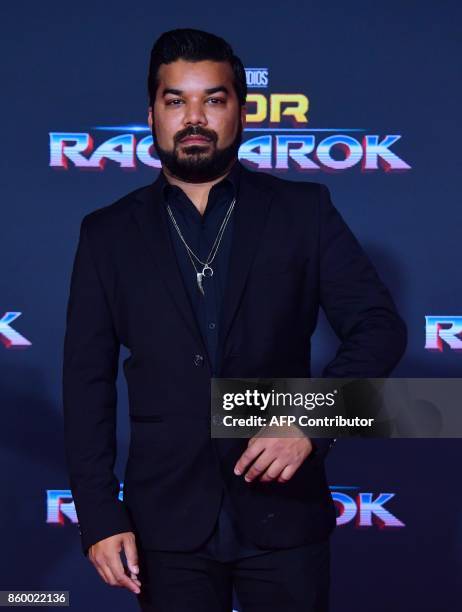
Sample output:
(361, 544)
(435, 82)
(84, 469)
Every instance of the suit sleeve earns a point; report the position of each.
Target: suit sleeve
(321, 446)
(90, 365)
(357, 305)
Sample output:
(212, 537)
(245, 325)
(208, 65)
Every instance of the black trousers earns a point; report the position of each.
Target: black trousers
(290, 580)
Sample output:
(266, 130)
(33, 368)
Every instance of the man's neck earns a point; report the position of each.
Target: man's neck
(198, 193)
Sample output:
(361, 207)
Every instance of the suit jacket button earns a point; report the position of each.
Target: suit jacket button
(198, 360)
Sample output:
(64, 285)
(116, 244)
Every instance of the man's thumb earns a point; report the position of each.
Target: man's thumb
(131, 554)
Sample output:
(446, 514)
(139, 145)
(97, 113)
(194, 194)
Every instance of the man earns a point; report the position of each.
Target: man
(211, 270)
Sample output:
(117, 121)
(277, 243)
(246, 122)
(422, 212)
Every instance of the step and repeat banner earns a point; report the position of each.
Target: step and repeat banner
(363, 97)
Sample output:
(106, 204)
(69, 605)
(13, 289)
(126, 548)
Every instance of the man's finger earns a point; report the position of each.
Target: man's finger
(101, 573)
(131, 553)
(135, 579)
(287, 472)
(106, 572)
(259, 466)
(250, 453)
(272, 471)
(116, 567)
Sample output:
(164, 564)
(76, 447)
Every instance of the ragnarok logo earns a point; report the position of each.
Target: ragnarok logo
(9, 336)
(366, 511)
(282, 140)
(443, 331)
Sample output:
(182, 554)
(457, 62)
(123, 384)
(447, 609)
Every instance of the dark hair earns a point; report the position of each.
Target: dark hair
(194, 46)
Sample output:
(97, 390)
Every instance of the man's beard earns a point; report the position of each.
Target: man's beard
(197, 165)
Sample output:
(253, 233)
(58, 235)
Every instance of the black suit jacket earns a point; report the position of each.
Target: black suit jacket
(292, 253)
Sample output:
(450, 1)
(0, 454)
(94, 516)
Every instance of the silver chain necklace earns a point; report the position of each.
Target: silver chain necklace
(207, 270)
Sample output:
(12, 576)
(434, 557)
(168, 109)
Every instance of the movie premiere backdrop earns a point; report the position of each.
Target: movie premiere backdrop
(360, 96)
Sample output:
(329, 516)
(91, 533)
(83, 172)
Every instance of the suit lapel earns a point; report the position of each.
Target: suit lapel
(251, 212)
(152, 220)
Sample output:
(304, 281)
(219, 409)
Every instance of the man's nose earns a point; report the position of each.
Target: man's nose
(195, 115)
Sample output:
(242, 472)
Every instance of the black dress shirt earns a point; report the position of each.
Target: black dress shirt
(200, 231)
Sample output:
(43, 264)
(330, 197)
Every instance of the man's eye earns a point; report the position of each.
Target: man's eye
(216, 100)
(173, 102)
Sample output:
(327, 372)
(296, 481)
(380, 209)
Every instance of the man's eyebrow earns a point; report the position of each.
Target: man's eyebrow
(211, 90)
(170, 90)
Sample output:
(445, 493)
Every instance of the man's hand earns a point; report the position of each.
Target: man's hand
(105, 556)
(278, 458)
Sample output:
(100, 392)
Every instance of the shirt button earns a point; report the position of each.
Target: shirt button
(198, 360)
(212, 325)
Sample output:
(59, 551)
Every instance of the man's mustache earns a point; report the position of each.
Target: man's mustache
(196, 130)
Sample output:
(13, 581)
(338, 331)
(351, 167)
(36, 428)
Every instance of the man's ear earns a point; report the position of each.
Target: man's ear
(150, 116)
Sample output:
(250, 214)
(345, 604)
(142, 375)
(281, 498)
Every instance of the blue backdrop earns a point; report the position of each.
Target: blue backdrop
(366, 71)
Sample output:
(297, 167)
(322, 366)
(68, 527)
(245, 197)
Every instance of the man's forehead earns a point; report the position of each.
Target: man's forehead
(205, 71)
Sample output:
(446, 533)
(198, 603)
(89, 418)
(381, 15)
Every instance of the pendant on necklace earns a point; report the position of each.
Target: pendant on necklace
(206, 271)
(199, 282)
